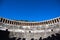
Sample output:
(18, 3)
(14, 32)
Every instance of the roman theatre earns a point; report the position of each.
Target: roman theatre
(30, 30)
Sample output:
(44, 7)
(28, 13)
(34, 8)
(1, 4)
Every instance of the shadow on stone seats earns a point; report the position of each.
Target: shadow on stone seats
(48, 38)
(57, 36)
(4, 35)
(24, 39)
(32, 38)
(19, 39)
(45, 39)
(40, 38)
(13, 38)
(54, 37)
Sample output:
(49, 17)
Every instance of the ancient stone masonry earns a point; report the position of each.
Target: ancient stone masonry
(30, 30)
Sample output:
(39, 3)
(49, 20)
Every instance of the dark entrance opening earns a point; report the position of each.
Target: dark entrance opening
(29, 31)
(52, 30)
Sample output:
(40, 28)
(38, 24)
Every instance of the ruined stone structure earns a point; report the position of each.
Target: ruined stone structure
(30, 30)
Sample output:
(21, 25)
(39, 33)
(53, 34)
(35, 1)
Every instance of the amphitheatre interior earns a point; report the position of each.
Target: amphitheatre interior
(30, 30)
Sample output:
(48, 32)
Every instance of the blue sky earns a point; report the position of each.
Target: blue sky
(32, 10)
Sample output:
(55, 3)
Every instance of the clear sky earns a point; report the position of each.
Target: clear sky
(32, 10)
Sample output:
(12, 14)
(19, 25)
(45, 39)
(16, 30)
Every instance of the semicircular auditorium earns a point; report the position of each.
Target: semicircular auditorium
(25, 30)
